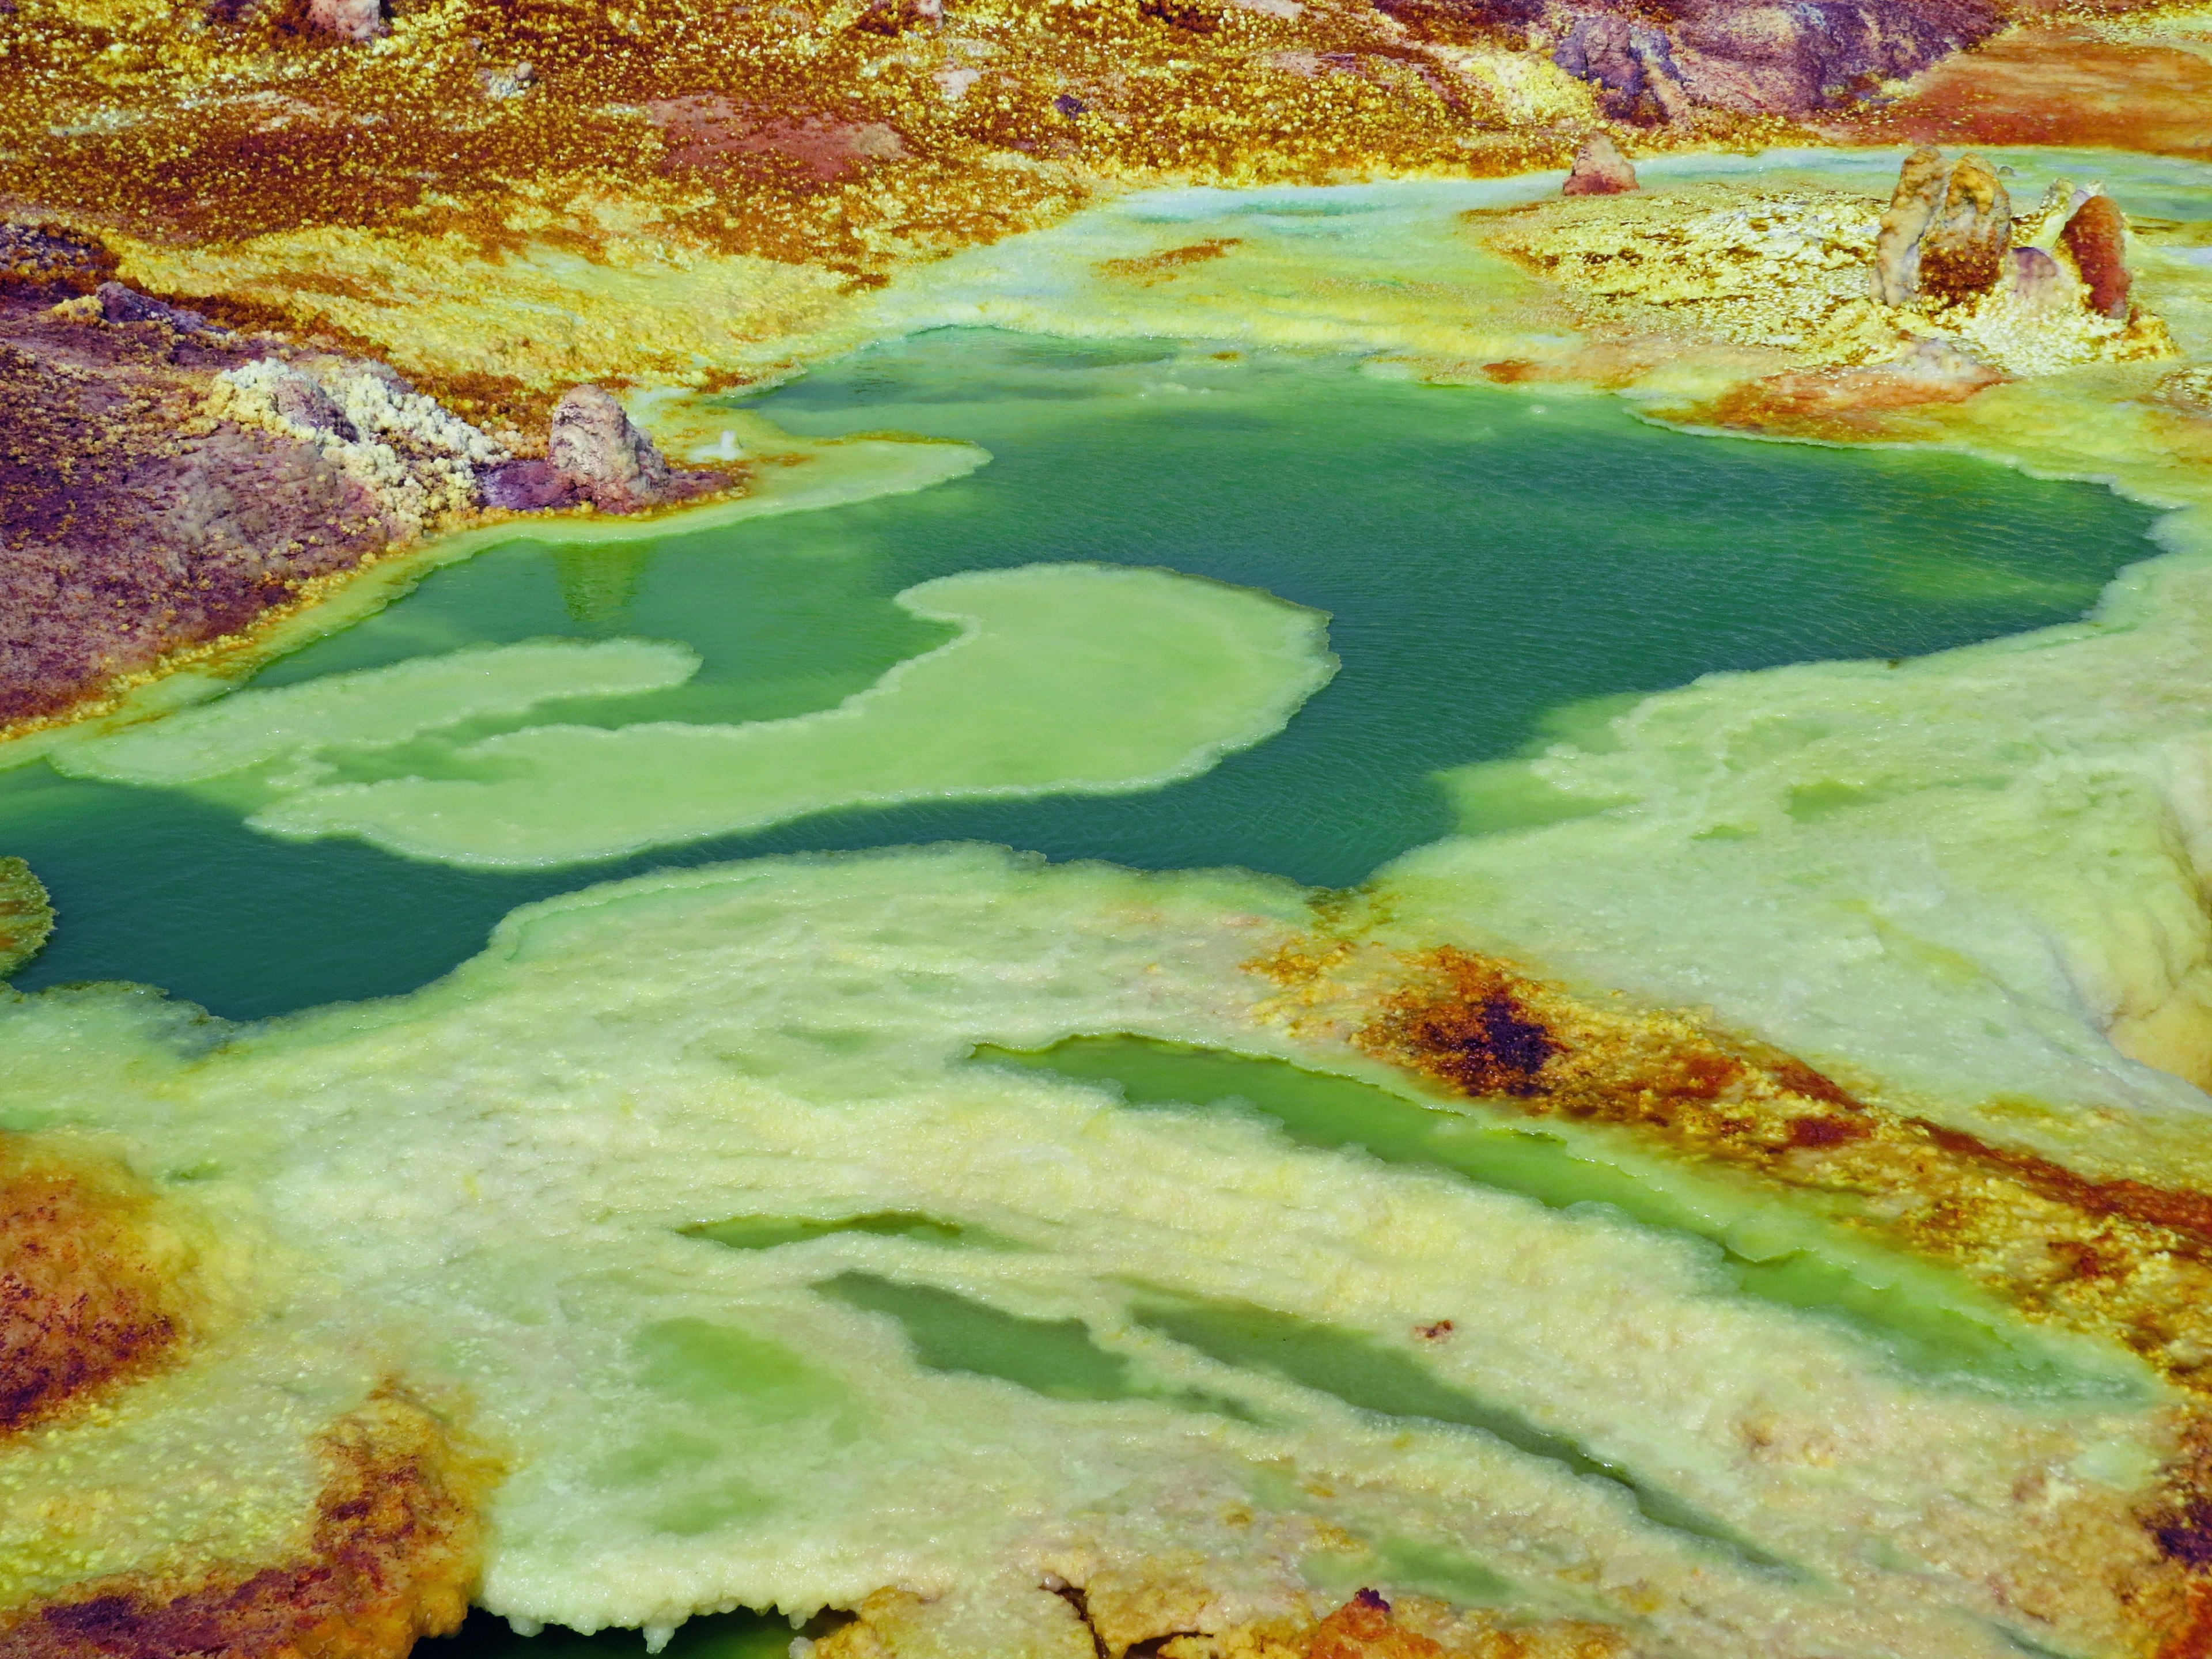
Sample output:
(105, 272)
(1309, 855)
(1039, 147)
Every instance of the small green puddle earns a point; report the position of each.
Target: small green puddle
(731, 1373)
(1920, 1319)
(1370, 1377)
(1402, 1565)
(768, 1232)
(1056, 1357)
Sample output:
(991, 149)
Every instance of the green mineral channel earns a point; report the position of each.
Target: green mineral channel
(1928, 1323)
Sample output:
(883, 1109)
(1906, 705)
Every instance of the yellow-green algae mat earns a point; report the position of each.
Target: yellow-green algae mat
(691, 1202)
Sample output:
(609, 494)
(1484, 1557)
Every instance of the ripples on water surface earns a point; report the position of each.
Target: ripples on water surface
(1487, 557)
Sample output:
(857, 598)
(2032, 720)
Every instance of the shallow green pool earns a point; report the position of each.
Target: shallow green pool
(1487, 557)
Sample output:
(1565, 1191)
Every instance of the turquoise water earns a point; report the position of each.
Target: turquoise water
(1487, 557)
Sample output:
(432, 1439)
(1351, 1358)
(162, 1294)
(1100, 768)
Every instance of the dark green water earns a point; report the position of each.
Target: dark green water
(1924, 1324)
(718, 1636)
(1487, 557)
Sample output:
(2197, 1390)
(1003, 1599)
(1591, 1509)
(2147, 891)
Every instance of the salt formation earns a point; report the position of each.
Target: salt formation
(1946, 232)
(2096, 235)
(1811, 275)
(1600, 169)
(414, 456)
(597, 457)
(1946, 249)
(605, 459)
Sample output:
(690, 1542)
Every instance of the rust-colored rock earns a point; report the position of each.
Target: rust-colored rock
(394, 1558)
(1600, 169)
(2097, 238)
(1963, 253)
(91, 1291)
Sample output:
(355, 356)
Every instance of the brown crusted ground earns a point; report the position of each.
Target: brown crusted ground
(2051, 85)
(125, 532)
(893, 1622)
(852, 134)
(812, 133)
(2123, 1258)
(393, 1557)
(1368, 1627)
(92, 1288)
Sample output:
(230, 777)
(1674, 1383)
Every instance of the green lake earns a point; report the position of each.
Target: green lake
(1488, 558)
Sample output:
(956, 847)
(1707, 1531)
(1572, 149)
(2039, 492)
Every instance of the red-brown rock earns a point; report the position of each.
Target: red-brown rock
(1964, 251)
(604, 459)
(1600, 169)
(2097, 238)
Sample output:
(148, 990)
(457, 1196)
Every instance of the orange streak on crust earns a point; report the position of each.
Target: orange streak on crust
(1361, 1629)
(1369, 1627)
(394, 1557)
(90, 1291)
(2121, 1259)
(1165, 262)
(2194, 1639)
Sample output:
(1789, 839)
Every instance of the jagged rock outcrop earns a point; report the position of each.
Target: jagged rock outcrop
(1912, 206)
(595, 456)
(119, 304)
(417, 458)
(164, 480)
(1964, 249)
(1600, 169)
(1946, 231)
(600, 452)
(1663, 61)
